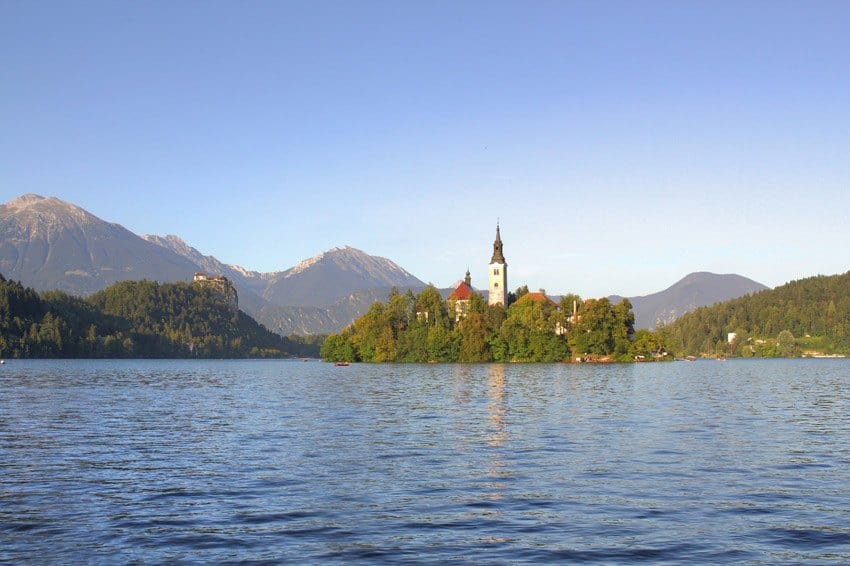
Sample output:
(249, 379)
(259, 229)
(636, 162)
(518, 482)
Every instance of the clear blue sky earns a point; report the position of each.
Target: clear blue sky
(622, 144)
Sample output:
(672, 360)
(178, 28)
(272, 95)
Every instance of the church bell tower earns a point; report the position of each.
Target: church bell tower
(498, 274)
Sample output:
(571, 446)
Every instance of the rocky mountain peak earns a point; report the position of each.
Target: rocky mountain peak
(335, 273)
(47, 243)
(174, 243)
(346, 258)
(206, 262)
(24, 201)
(35, 215)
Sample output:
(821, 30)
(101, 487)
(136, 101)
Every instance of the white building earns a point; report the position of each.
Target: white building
(498, 274)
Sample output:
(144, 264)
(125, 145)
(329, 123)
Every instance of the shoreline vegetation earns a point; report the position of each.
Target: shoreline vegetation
(805, 318)
(424, 328)
(144, 319)
(136, 319)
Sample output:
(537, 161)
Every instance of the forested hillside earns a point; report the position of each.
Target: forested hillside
(806, 316)
(132, 319)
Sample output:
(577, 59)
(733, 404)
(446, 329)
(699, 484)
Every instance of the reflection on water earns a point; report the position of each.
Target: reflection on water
(127, 461)
(496, 407)
(497, 432)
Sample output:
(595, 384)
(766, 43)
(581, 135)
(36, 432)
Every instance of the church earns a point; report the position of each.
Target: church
(497, 278)
(498, 274)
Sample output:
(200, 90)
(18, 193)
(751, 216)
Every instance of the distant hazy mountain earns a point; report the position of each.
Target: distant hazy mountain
(47, 243)
(319, 295)
(242, 277)
(320, 281)
(694, 291)
(287, 320)
(334, 274)
(249, 284)
(327, 292)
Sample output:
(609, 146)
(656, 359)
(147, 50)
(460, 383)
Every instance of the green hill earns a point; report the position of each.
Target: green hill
(806, 316)
(135, 319)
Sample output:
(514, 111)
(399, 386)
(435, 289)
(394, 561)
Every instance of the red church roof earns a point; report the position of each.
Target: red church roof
(462, 293)
(538, 298)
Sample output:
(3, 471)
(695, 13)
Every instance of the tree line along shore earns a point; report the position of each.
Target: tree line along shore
(533, 328)
(136, 319)
(809, 317)
(145, 319)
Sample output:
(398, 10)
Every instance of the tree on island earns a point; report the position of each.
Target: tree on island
(426, 328)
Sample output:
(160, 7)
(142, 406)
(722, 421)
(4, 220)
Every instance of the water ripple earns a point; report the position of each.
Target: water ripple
(270, 462)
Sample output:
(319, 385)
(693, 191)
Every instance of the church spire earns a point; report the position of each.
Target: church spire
(498, 256)
(468, 278)
(498, 274)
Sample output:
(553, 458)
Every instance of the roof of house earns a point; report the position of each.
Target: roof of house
(462, 292)
(537, 297)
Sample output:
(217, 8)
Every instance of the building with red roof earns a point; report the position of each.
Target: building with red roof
(462, 292)
(460, 297)
(539, 297)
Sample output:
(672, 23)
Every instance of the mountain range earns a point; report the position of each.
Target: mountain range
(693, 291)
(47, 243)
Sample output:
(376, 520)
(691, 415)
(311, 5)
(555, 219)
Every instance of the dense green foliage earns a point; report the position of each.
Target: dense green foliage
(810, 315)
(133, 319)
(424, 328)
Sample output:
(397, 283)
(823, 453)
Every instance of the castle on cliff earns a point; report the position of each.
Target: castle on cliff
(221, 285)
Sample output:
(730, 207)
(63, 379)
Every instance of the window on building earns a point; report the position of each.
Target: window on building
(496, 285)
(495, 272)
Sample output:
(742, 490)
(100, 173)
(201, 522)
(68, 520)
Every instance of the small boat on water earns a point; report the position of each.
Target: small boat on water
(342, 364)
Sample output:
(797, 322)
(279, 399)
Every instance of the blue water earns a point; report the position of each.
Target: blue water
(270, 461)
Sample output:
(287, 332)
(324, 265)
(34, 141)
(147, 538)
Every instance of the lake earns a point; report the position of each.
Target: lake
(287, 461)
